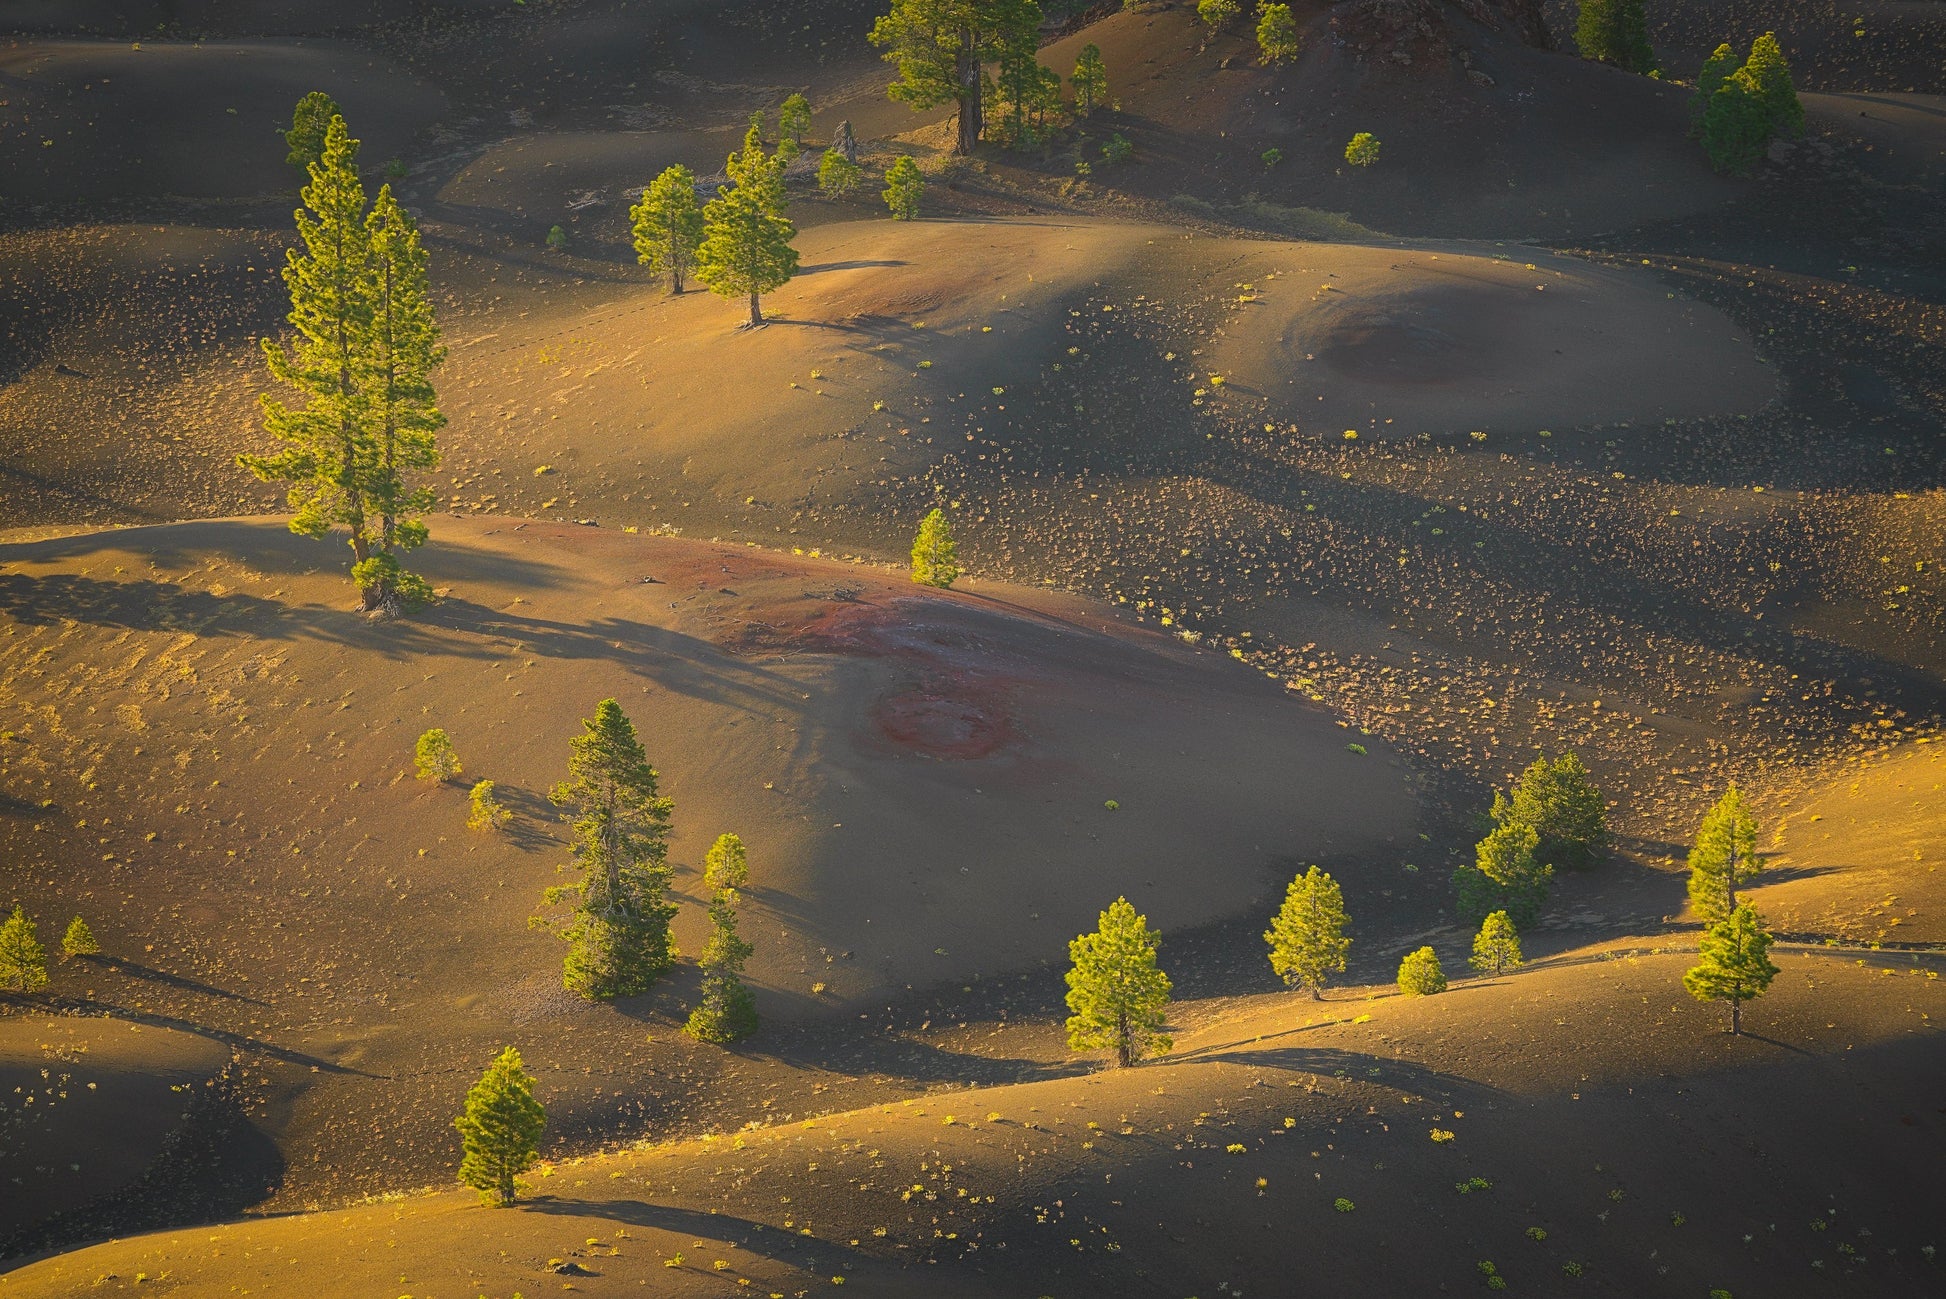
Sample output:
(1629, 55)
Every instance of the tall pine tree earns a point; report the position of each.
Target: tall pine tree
(1090, 80)
(1505, 876)
(746, 246)
(1118, 998)
(668, 226)
(1724, 858)
(1734, 963)
(619, 940)
(1307, 937)
(1767, 77)
(1496, 948)
(23, 961)
(935, 555)
(500, 1130)
(1615, 32)
(1557, 797)
(403, 350)
(326, 442)
(726, 1011)
(1716, 69)
(941, 49)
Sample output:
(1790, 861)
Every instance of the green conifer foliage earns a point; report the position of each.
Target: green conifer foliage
(935, 555)
(1118, 999)
(1215, 13)
(402, 351)
(1724, 858)
(1307, 937)
(1277, 34)
(23, 961)
(668, 226)
(619, 941)
(1559, 799)
(904, 187)
(1090, 80)
(837, 174)
(309, 123)
(726, 1011)
(1736, 127)
(1734, 964)
(1420, 975)
(1615, 32)
(1767, 78)
(1496, 948)
(79, 940)
(500, 1130)
(1505, 876)
(483, 810)
(941, 48)
(793, 125)
(434, 756)
(1715, 71)
(1362, 149)
(746, 246)
(326, 442)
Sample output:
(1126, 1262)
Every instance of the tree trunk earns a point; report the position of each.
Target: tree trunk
(971, 118)
(1317, 993)
(1736, 1017)
(756, 312)
(1124, 1041)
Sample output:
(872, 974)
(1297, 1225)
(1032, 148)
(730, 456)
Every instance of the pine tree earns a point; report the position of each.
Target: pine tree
(1027, 90)
(746, 246)
(668, 226)
(1362, 149)
(1420, 975)
(837, 174)
(308, 125)
(79, 940)
(1504, 877)
(904, 187)
(1736, 127)
(500, 1130)
(403, 351)
(1615, 32)
(483, 810)
(1717, 69)
(619, 940)
(1117, 996)
(1734, 963)
(1496, 948)
(1307, 937)
(726, 1011)
(1215, 13)
(1277, 34)
(23, 961)
(935, 555)
(793, 125)
(1090, 80)
(941, 48)
(1560, 801)
(1767, 77)
(1724, 858)
(435, 757)
(326, 444)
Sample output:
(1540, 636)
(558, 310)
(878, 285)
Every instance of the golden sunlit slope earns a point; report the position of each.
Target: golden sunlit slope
(1583, 1127)
(1858, 856)
(209, 756)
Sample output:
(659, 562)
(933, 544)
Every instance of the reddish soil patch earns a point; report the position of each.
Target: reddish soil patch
(945, 725)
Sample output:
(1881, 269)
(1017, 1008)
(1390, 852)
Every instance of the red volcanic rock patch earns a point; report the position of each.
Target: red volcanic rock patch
(967, 723)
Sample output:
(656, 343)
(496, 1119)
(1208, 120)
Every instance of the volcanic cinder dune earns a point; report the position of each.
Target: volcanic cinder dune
(1301, 505)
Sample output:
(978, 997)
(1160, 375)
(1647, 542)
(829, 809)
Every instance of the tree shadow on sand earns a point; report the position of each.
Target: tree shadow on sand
(773, 1243)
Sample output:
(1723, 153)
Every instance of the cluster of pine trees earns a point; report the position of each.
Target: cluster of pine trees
(1734, 964)
(1738, 109)
(23, 960)
(1555, 815)
(364, 348)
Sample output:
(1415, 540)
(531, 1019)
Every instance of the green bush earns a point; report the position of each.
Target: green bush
(1362, 150)
(1277, 34)
(1420, 975)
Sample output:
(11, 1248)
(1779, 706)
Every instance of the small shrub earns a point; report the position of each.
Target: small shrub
(434, 756)
(557, 239)
(484, 811)
(1420, 975)
(396, 169)
(1362, 151)
(1342, 1205)
(1118, 148)
(1441, 1136)
(904, 187)
(1537, 1234)
(837, 174)
(1573, 1269)
(1472, 1184)
(1271, 157)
